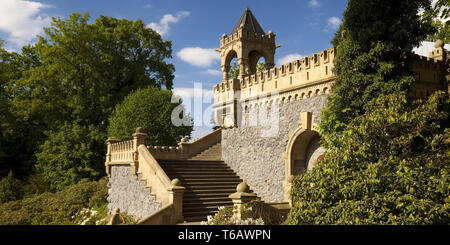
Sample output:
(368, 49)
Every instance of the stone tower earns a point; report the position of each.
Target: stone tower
(248, 43)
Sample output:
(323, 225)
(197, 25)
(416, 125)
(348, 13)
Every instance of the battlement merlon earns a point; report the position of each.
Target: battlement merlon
(310, 70)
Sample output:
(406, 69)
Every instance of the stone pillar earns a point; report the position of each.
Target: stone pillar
(176, 197)
(184, 147)
(138, 139)
(109, 142)
(226, 70)
(243, 64)
(240, 198)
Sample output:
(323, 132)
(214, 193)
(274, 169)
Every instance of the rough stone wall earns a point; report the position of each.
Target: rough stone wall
(259, 160)
(129, 194)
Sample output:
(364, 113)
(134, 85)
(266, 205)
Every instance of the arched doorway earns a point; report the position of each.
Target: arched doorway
(302, 151)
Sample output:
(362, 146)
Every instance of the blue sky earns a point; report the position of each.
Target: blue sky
(303, 27)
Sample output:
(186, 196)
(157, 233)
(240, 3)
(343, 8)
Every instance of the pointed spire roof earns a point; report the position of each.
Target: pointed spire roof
(250, 22)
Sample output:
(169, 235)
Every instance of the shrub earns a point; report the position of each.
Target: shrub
(392, 168)
(10, 188)
(60, 208)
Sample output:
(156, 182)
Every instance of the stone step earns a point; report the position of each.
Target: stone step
(207, 189)
(188, 205)
(195, 184)
(212, 177)
(199, 173)
(206, 199)
(206, 195)
(190, 210)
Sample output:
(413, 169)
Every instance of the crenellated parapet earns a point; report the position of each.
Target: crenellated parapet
(311, 76)
(244, 34)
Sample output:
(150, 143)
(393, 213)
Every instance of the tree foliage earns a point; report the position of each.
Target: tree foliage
(65, 87)
(151, 109)
(374, 47)
(72, 152)
(388, 155)
(439, 17)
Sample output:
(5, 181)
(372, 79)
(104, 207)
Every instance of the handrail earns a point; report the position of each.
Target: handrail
(186, 150)
(201, 144)
(154, 166)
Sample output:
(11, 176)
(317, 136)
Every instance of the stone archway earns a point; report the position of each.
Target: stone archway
(302, 150)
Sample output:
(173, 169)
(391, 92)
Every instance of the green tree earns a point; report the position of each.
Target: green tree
(72, 152)
(374, 49)
(234, 71)
(260, 67)
(151, 109)
(388, 155)
(439, 17)
(76, 74)
(393, 168)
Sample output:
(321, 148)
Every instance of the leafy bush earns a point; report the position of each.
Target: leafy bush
(392, 168)
(254, 213)
(60, 208)
(150, 108)
(10, 189)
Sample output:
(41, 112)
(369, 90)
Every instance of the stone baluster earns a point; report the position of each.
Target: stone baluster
(240, 198)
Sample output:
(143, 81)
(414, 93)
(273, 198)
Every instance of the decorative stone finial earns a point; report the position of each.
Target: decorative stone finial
(183, 140)
(116, 218)
(176, 182)
(242, 187)
(439, 44)
(224, 35)
(139, 130)
(270, 32)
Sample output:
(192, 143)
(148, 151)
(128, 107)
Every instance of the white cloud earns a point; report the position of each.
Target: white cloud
(212, 72)
(314, 3)
(333, 23)
(163, 27)
(199, 56)
(22, 20)
(193, 93)
(288, 58)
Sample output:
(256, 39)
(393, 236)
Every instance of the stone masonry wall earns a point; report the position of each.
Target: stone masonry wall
(129, 194)
(259, 160)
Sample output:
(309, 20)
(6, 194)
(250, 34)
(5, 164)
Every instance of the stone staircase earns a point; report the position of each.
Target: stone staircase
(213, 153)
(208, 184)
